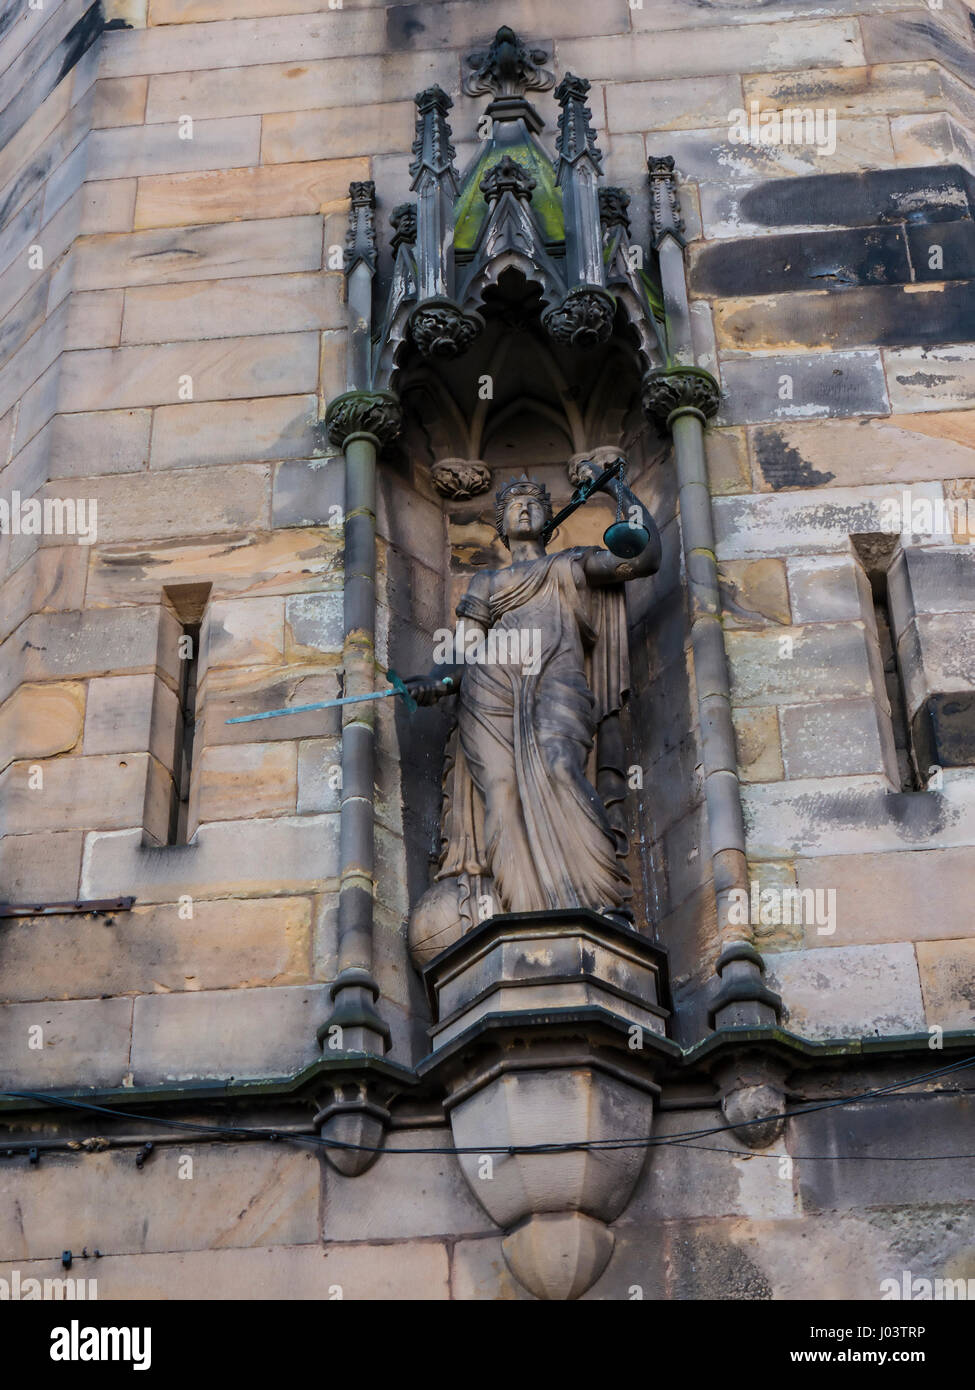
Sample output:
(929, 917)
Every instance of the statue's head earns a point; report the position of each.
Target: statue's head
(523, 510)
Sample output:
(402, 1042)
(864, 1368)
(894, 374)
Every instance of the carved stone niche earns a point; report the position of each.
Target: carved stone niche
(549, 1031)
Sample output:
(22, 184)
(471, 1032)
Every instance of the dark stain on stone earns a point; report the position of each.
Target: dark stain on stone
(796, 261)
(782, 464)
(944, 731)
(928, 379)
(403, 26)
(918, 816)
(861, 316)
(925, 38)
(319, 432)
(50, 68)
(33, 174)
(888, 1128)
(167, 251)
(950, 245)
(822, 388)
(80, 38)
(878, 196)
(144, 558)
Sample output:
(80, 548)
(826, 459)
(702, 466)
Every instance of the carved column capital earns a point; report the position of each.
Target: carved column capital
(671, 391)
(363, 412)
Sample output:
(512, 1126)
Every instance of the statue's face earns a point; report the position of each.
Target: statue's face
(524, 518)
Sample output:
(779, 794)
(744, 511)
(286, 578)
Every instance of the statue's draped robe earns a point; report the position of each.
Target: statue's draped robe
(520, 805)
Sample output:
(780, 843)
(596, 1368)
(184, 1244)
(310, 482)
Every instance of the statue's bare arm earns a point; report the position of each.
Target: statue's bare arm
(445, 679)
(603, 567)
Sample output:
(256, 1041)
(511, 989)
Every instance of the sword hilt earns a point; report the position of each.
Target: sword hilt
(399, 685)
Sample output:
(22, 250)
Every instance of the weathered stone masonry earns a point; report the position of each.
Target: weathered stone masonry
(171, 356)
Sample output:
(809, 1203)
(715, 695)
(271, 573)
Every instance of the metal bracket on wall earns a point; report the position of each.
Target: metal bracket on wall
(101, 907)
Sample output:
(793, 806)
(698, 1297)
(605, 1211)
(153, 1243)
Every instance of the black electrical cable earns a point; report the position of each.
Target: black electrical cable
(833, 1158)
(594, 1145)
(876, 1094)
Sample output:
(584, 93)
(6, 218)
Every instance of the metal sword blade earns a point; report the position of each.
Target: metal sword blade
(319, 704)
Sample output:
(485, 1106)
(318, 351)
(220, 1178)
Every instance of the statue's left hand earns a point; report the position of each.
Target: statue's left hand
(603, 567)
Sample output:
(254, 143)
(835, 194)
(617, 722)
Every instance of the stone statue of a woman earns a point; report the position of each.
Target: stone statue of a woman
(534, 771)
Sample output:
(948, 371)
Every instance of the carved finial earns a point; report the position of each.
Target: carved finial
(432, 148)
(507, 176)
(576, 138)
(508, 68)
(402, 219)
(613, 204)
(665, 218)
(360, 239)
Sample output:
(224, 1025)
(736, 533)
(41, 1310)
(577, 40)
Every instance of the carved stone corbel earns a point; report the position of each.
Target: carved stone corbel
(508, 68)
(460, 478)
(753, 1095)
(440, 328)
(549, 1033)
(350, 1112)
(584, 319)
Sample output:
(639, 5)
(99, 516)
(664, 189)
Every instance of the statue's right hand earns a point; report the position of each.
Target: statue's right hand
(427, 691)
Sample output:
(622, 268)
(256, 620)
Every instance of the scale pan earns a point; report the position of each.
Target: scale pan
(625, 540)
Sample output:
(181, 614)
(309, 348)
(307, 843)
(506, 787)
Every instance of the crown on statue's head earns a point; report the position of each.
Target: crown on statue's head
(520, 487)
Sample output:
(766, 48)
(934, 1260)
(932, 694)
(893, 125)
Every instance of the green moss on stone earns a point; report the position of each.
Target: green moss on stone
(470, 209)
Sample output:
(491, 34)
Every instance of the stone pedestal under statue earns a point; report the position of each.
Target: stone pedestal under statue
(549, 1027)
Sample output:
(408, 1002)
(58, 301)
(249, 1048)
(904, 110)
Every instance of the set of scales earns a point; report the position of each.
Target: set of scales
(625, 539)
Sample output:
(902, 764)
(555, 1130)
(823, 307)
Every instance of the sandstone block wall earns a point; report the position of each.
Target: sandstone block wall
(168, 359)
(197, 267)
(236, 1221)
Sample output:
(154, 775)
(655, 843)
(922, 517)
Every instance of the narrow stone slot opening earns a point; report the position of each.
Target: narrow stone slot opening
(875, 552)
(183, 759)
(189, 605)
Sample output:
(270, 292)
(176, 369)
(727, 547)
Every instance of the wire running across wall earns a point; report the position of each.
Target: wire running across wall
(568, 1146)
